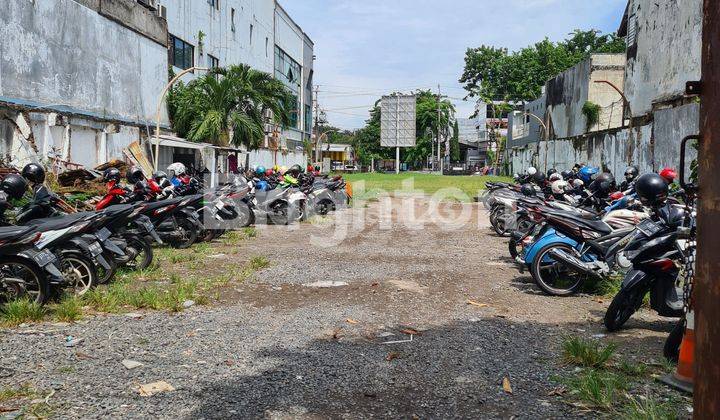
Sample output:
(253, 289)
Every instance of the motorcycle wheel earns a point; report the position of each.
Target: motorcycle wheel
(513, 248)
(280, 214)
(622, 307)
(79, 272)
(245, 217)
(671, 350)
(37, 286)
(499, 226)
(555, 278)
(144, 250)
(324, 207)
(188, 232)
(208, 235)
(104, 275)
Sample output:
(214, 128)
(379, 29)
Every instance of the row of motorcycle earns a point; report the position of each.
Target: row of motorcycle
(47, 248)
(576, 229)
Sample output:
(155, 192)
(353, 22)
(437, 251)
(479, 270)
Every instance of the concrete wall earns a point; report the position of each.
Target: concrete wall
(269, 158)
(62, 53)
(650, 147)
(568, 92)
(666, 53)
(187, 18)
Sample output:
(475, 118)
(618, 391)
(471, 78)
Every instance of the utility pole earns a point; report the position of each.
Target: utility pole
(439, 98)
(317, 125)
(706, 291)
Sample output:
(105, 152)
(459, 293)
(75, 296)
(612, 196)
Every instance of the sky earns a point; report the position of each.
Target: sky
(367, 48)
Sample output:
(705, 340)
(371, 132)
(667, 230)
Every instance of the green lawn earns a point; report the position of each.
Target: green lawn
(429, 184)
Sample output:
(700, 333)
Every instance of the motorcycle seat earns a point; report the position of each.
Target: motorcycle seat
(10, 233)
(57, 223)
(593, 224)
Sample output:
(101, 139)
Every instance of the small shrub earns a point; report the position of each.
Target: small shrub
(20, 311)
(591, 111)
(587, 353)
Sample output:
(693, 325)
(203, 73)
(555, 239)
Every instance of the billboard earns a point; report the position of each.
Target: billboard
(397, 121)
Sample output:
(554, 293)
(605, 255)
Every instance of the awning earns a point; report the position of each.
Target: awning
(172, 141)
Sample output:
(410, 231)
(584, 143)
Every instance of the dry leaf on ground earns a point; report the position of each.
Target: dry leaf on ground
(150, 389)
(506, 385)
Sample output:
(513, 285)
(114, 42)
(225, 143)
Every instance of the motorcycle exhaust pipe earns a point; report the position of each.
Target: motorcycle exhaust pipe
(573, 262)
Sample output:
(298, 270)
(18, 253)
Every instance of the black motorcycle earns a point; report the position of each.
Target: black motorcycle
(654, 252)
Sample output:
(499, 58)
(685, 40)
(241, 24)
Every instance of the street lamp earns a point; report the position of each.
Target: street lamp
(319, 142)
(159, 108)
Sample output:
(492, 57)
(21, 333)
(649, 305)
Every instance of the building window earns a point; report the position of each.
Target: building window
(288, 71)
(232, 20)
(214, 3)
(212, 62)
(181, 54)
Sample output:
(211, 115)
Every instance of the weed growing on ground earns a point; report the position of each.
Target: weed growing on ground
(201, 248)
(20, 311)
(69, 309)
(586, 353)
(601, 385)
(599, 389)
(23, 391)
(250, 232)
(182, 258)
(632, 369)
(258, 263)
(646, 408)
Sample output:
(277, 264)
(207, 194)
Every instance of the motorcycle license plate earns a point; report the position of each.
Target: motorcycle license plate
(649, 228)
(44, 258)
(219, 205)
(103, 234)
(196, 214)
(147, 225)
(95, 249)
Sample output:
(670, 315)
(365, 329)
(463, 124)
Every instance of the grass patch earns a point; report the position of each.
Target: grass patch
(182, 258)
(632, 369)
(587, 353)
(233, 238)
(596, 388)
(201, 248)
(21, 311)
(375, 184)
(250, 232)
(69, 309)
(258, 263)
(646, 408)
(23, 391)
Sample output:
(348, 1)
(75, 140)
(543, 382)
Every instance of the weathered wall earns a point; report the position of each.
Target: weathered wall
(650, 147)
(62, 53)
(568, 92)
(666, 51)
(229, 41)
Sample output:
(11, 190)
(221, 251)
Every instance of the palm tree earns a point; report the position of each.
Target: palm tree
(227, 106)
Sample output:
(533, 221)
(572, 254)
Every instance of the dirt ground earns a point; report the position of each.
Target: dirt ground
(359, 315)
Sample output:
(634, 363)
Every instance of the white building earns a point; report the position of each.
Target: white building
(259, 33)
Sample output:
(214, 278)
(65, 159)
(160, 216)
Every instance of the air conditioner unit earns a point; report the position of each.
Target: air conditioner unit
(162, 11)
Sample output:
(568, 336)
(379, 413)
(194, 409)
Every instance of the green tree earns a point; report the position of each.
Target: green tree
(493, 73)
(455, 143)
(427, 125)
(227, 106)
